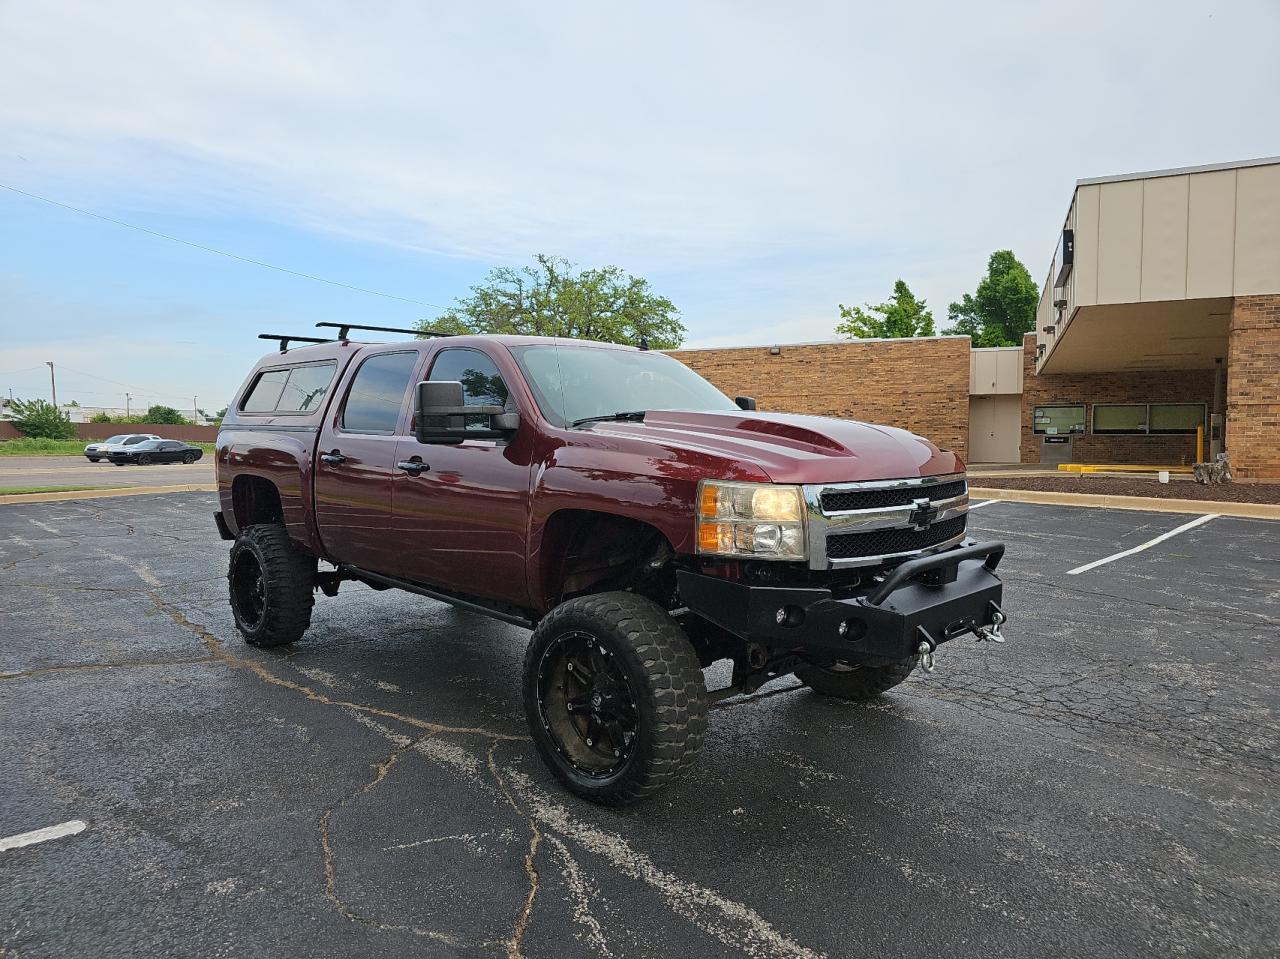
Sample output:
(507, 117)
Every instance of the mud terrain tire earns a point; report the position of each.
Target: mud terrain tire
(858, 684)
(614, 697)
(271, 585)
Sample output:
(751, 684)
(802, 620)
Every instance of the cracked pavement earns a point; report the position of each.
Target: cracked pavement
(1103, 784)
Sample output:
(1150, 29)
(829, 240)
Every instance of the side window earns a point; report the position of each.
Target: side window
(482, 384)
(265, 393)
(134, 439)
(377, 393)
(172, 445)
(305, 389)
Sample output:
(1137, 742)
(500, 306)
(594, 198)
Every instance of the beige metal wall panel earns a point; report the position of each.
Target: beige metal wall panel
(1120, 242)
(1211, 227)
(1009, 369)
(995, 371)
(1044, 311)
(1164, 238)
(1084, 273)
(1257, 259)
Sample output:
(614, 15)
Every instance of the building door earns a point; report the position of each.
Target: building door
(995, 426)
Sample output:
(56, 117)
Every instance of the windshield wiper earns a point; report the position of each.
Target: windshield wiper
(635, 416)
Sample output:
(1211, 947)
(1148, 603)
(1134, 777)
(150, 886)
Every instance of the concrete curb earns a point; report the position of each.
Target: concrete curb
(1149, 503)
(101, 493)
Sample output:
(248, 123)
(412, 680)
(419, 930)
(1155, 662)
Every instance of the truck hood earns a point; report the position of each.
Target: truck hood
(790, 448)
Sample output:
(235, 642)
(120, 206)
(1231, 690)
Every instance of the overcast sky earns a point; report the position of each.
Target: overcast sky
(758, 162)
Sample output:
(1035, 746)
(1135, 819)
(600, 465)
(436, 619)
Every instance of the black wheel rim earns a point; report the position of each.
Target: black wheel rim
(248, 588)
(587, 705)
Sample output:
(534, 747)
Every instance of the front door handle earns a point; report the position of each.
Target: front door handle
(414, 467)
(333, 459)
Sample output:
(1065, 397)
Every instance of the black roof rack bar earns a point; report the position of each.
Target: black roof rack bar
(286, 339)
(345, 328)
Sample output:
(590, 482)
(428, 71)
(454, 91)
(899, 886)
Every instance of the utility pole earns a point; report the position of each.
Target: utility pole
(195, 411)
(126, 406)
(53, 386)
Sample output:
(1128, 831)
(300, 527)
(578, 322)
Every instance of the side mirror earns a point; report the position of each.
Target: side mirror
(745, 402)
(440, 413)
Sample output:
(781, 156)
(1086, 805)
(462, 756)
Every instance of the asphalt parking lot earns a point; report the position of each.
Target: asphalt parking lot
(31, 471)
(1104, 784)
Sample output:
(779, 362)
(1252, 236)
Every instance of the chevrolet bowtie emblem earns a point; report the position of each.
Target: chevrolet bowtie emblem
(923, 515)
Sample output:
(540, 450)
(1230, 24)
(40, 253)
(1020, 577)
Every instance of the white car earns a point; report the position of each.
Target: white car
(99, 450)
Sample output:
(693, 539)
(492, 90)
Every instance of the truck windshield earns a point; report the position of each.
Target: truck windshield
(575, 382)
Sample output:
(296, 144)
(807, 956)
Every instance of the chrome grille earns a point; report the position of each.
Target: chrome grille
(843, 500)
(862, 524)
(889, 542)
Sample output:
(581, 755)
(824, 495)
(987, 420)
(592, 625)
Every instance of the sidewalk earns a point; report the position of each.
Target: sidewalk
(1108, 501)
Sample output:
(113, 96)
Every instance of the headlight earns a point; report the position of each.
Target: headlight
(755, 520)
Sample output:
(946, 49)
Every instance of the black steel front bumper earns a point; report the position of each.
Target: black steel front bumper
(931, 599)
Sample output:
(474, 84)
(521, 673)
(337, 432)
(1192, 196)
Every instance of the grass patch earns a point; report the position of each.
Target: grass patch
(26, 446)
(19, 490)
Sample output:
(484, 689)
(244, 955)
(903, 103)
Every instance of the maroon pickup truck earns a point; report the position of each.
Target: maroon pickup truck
(640, 522)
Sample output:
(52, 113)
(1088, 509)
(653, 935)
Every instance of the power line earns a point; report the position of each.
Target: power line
(25, 369)
(128, 386)
(209, 249)
(136, 390)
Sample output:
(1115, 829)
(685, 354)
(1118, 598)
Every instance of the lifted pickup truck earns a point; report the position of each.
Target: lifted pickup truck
(640, 522)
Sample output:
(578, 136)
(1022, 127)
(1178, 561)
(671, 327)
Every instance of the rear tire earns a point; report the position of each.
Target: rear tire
(94, 459)
(188, 458)
(856, 683)
(614, 697)
(272, 586)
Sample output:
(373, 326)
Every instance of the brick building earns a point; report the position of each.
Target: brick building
(1160, 314)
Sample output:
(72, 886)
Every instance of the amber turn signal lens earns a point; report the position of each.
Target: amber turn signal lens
(710, 500)
(708, 537)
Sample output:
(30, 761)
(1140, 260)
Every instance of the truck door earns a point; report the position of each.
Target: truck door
(462, 519)
(356, 458)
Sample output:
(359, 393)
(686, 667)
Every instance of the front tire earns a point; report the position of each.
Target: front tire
(272, 586)
(614, 697)
(853, 682)
(144, 459)
(93, 459)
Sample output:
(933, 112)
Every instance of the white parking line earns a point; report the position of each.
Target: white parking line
(69, 828)
(1198, 521)
(987, 502)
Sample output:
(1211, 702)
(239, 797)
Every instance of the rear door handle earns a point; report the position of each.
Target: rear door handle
(333, 459)
(413, 467)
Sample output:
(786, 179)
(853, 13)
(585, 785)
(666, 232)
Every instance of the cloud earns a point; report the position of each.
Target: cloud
(670, 138)
(101, 352)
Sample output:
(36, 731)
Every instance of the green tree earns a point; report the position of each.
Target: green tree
(101, 417)
(903, 315)
(1003, 307)
(42, 420)
(554, 298)
(164, 414)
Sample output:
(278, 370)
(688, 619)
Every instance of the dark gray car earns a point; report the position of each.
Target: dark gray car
(155, 451)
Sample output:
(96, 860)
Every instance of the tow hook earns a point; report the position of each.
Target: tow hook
(925, 650)
(991, 633)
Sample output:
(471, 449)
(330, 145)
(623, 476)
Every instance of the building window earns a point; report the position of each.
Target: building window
(1175, 418)
(1058, 420)
(1119, 418)
(1143, 419)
